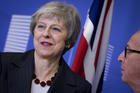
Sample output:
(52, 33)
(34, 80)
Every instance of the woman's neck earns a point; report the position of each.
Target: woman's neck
(46, 68)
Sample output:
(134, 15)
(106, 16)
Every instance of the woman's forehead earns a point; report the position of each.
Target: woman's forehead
(51, 16)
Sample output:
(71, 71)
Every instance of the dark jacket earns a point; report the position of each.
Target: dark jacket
(16, 70)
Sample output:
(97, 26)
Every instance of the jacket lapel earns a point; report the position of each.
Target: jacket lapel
(20, 74)
(64, 81)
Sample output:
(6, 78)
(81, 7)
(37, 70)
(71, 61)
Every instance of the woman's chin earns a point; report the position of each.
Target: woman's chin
(45, 55)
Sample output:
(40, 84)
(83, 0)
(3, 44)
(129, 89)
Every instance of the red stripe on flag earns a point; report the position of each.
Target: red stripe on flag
(101, 35)
(77, 65)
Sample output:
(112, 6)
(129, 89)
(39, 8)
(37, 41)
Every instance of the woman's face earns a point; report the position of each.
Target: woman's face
(49, 37)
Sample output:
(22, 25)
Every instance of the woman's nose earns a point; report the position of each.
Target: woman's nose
(121, 57)
(46, 33)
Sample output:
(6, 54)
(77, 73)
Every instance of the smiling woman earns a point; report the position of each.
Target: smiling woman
(49, 37)
(55, 28)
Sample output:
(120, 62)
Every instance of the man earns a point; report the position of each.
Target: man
(130, 59)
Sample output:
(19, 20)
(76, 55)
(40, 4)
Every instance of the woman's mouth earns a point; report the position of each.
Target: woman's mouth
(46, 44)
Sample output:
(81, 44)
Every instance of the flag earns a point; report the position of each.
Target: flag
(91, 52)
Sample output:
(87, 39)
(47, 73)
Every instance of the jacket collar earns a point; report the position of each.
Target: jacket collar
(20, 77)
(64, 81)
(19, 74)
(23, 58)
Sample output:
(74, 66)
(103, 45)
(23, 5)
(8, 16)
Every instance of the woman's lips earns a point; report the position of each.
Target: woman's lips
(44, 43)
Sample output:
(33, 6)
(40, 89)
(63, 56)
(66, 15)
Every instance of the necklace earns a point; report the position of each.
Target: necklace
(42, 83)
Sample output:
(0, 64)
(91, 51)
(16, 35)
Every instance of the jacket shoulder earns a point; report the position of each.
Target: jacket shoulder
(8, 57)
(81, 83)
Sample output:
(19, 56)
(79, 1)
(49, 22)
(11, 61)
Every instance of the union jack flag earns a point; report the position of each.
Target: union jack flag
(91, 52)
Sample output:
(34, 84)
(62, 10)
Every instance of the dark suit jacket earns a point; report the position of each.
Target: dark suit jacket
(16, 70)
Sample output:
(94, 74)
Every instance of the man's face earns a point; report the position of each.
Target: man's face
(131, 61)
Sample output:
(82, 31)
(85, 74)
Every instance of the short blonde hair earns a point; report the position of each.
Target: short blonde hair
(68, 13)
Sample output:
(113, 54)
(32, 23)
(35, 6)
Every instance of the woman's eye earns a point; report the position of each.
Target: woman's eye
(40, 26)
(56, 29)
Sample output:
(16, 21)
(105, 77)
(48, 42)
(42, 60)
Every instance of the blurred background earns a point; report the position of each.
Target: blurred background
(125, 22)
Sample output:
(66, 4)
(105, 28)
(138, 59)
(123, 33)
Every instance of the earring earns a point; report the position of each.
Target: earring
(67, 45)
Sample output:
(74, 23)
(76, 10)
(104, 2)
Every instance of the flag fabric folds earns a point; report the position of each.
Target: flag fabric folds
(91, 52)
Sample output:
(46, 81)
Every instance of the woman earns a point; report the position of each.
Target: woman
(55, 27)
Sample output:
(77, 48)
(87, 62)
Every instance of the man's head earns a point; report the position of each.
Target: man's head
(130, 59)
